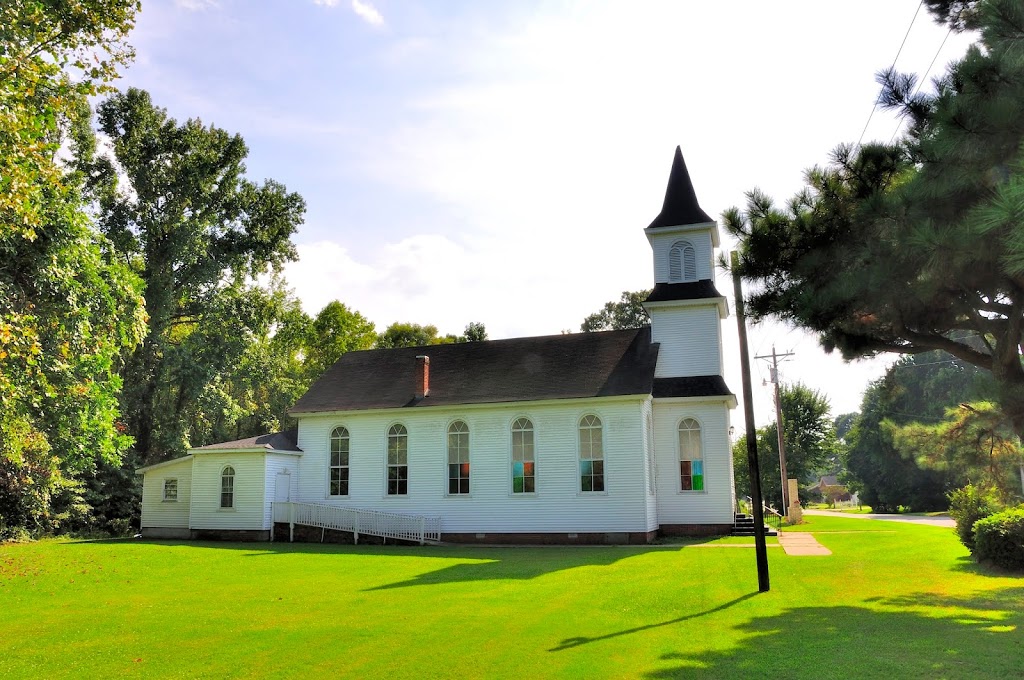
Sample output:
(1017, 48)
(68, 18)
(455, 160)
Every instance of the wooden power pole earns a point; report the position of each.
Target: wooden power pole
(779, 426)
(763, 584)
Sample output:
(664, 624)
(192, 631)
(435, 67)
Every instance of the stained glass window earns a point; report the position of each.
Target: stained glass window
(524, 474)
(691, 457)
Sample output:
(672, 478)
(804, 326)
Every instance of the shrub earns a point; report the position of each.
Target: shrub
(967, 506)
(1000, 538)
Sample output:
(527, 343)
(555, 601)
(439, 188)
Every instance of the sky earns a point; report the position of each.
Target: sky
(498, 161)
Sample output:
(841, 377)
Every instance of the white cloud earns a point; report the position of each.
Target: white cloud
(195, 5)
(367, 13)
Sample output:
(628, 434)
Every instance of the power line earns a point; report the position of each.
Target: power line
(898, 53)
(925, 76)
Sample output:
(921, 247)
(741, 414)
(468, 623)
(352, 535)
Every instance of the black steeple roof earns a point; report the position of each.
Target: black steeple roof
(681, 205)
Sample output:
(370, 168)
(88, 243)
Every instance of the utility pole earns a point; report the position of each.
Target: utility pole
(779, 426)
(763, 584)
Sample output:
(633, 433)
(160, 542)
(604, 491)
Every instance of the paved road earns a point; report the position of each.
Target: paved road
(937, 521)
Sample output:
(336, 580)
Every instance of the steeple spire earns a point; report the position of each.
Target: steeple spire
(681, 205)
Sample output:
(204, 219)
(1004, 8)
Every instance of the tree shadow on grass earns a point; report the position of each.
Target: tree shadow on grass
(569, 643)
(513, 563)
(923, 635)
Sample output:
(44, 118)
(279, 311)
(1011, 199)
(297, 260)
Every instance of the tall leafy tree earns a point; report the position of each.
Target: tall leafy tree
(66, 311)
(335, 331)
(916, 389)
(627, 313)
(916, 246)
(174, 201)
(401, 334)
(810, 439)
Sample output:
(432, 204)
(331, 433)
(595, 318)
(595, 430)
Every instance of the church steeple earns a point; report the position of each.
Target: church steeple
(680, 205)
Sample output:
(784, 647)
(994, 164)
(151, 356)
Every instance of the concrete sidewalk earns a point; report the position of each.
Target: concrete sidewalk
(801, 543)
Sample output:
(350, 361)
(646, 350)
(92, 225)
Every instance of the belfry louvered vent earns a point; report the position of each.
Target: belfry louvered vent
(682, 262)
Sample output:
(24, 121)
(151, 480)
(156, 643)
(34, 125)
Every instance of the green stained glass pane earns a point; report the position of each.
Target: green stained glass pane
(517, 485)
(698, 482)
(587, 483)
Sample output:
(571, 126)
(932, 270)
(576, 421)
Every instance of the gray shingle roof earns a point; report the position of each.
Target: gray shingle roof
(519, 369)
(694, 290)
(278, 441)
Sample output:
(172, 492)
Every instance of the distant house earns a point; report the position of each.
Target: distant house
(594, 437)
(830, 490)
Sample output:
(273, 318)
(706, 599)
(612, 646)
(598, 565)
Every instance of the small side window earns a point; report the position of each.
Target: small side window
(171, 490)
(227, 487)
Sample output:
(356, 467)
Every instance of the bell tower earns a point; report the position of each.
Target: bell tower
(684, 306)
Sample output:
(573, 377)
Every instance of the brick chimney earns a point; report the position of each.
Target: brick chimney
(422, 376)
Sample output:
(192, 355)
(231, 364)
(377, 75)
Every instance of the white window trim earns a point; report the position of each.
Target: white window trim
(220, 494)
(579, 457)
(511, 459)
(447, 472)
(330, 437)
(387, 464)
(679, 457)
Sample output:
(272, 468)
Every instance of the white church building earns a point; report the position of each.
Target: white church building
(609, 437)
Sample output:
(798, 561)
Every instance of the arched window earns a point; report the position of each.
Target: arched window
(591, 454)
(339, 462)
(524, 473)
(682, 262)
(398, 460)
(691, 457)
(458, 458)
(227, 487)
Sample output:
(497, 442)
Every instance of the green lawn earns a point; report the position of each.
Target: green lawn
(893, 601)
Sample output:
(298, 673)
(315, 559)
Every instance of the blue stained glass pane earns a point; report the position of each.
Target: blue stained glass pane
(586, 467)
(698, 467)
(517, 469)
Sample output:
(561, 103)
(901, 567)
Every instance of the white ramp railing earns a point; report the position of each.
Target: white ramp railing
(419, 528)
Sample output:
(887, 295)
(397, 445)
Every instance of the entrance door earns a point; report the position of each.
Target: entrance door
(282, 487)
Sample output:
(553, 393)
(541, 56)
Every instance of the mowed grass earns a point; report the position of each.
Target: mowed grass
(892, 601)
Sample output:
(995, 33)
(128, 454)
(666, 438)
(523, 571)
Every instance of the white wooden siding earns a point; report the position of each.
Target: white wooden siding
(250, 485)
(715, 504)
(690, 340)
(158, 513)
(651, 500)
(491, 507)
(661, 244)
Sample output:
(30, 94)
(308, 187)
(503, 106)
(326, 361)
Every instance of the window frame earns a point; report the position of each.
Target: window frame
(224, 476)
(682, 253)
(388, 465)
(463, 468)
(532, 460)
(699, 429)
(165, 498)
(344, 471)
(580, 475)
